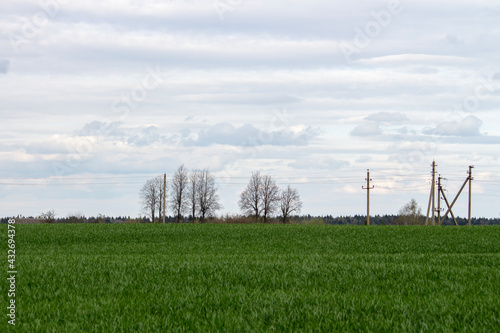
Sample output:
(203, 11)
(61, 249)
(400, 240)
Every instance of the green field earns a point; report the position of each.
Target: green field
(192, 277)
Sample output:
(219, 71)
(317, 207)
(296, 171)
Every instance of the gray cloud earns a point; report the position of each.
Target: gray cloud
(4, 66)
(257, 99)
(99, 128)
(453, 39)
(426, 70)
(320, 163)
(364, 159)
(49, 146)
(468, 126)
(220, 133)
(114, 131)
(372, 124)
(248, 135)
(367, 129)
(388, 118)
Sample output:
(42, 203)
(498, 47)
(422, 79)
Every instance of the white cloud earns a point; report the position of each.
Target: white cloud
(468, 126)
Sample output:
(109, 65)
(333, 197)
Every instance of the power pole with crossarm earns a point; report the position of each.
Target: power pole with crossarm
(368, 188)
(432, 196)
(164, 194)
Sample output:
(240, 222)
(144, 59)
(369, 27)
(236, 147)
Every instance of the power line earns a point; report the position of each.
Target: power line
(488, 195)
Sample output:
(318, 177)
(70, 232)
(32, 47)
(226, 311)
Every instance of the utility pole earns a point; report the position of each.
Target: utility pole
(432, 195)
(368, 188)
(164, 194)
(449, 209)
(440, 189)
(469, 180)
(470, 191)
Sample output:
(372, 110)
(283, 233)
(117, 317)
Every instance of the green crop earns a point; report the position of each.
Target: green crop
(202, 278)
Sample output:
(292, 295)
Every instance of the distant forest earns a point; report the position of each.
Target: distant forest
(302, 219)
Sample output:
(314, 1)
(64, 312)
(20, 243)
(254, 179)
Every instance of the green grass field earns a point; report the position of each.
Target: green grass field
(192, 277)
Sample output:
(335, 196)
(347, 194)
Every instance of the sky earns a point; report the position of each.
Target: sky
(97, 97)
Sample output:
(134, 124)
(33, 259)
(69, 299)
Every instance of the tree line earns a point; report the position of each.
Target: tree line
(188, 192)
(262, 198)
(239, 219)
(194, 193)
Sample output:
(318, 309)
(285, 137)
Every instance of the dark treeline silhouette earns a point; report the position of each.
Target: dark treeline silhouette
(302, 219)
(392, 220)
(85, 219)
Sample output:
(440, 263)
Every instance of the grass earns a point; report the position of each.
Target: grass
(117, 278)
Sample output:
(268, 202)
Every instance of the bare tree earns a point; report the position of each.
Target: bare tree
(250, 201)
(160, 193)
(178, 189)
(410, 214)
(149, 197)
(77, 217)
(49, 216)
(289, 202)
(193, 188)
(101, 218)
(208, 199)
(270, 196)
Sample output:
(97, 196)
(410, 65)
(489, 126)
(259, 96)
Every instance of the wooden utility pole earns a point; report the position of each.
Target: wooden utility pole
(440, 189)
(469, 180)
(470, 192)
(164, 194)
(449, 209)
(456, 197)
(368, 188)
(432, 196)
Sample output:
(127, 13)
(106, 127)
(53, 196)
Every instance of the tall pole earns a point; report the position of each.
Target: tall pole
(470, 192)
(432, 195)
(164, 194)
(449, 208)
(433, 191)
(368, 196)
(440, 189)
(456, 197)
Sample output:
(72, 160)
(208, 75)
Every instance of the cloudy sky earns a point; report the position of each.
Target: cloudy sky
(96, 97)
